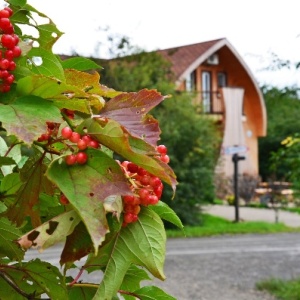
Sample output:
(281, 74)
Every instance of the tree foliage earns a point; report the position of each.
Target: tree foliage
(55, 190)
(283, 109)
(193, 139)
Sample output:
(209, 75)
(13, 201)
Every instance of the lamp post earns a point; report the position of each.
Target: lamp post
(235, 159)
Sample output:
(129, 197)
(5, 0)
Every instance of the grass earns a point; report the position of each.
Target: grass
(281, 289)
(213, 225)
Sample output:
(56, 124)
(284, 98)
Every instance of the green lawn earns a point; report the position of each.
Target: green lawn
(281, 289)
(213, 225)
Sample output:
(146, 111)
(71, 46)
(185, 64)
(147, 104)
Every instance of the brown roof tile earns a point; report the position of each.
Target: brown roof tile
(182, 57)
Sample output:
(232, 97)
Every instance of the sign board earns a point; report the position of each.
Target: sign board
(230, 150)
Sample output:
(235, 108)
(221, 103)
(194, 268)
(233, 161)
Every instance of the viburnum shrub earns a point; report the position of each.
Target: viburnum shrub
(81, 169)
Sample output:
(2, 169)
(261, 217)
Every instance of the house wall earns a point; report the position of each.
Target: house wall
(237, 77)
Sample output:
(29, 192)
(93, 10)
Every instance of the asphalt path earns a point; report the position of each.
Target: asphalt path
(219, 268)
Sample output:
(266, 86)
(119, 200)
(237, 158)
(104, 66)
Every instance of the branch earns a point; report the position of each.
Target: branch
(9, 281)
(129, 293)
(77, 277)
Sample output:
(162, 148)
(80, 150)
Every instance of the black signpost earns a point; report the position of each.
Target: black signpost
(235, 159)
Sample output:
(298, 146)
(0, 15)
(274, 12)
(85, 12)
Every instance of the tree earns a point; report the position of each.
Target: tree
(193, 139)
(60, 182)
(283, 109)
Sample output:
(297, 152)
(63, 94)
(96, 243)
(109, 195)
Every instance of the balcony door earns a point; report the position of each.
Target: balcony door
(206, 91)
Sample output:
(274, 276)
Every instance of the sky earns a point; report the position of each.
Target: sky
(257, 29)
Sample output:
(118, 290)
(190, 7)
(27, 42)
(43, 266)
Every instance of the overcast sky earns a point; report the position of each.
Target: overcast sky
(255, 28)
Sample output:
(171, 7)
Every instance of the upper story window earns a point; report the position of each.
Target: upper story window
(190, 82)
(222, 79)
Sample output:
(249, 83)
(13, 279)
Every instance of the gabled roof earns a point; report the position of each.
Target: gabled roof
(186, 59)
(184, 56)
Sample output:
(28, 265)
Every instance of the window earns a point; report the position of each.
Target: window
(190, 82)
(222, 79)
(206, 91)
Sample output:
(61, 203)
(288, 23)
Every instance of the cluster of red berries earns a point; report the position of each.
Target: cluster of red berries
(52, 130)
(9, 50)
(146, 187)
(82, 143)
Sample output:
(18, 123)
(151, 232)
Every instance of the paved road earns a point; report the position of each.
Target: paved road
(223, 268)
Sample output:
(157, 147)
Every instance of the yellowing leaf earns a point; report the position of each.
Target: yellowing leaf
(51, 232)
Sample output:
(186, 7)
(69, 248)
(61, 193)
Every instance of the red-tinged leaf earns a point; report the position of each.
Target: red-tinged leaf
(78, 244)
(87, 186)
(8, 234)
(51, 232)
(115, 137)
(131, 109)
(141, 243)
(27, 198)
(27, 116)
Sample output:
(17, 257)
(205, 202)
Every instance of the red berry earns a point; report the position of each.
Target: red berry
(93, 144)
(4, 23)
(4, 13)
(71, 159)
(12, 65)
(17, 51)
(63, 199)
(81, 158)
(142, 172)
(132, 168)
(158, 191)
(9, 79)
(130, 217)
(162, 149)
(86, 138)
(9, 54)
(8, 41)
(66, 132)
(4, 64)
(165, 158)
(81, 144)
(154, 182)
(75, 137)
(9, 10)
(152, 200)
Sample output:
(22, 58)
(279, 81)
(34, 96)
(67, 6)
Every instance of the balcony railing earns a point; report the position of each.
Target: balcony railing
(209, 102)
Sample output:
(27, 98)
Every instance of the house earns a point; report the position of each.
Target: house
(225, 89)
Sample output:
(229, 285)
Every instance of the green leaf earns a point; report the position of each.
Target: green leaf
(167, 213)
(43, 62)
(112, 135)
(37, 277)
(8, 234)
(142, 243)
(87, 186)
(80, 64)
(10, 184)
(131, 109)
(27, 116)
(6, 161)
(152, 293)
(51, 232)
(81, 291)
(132, 280)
